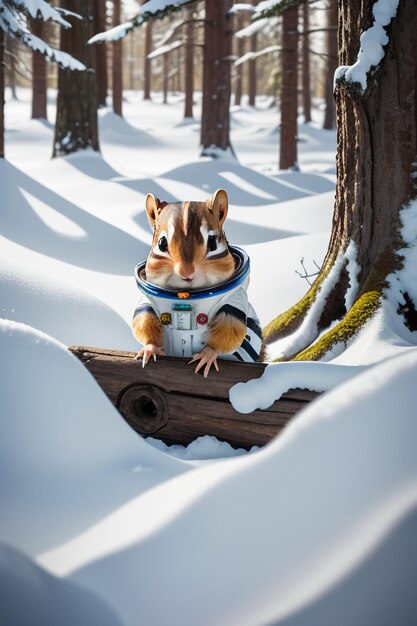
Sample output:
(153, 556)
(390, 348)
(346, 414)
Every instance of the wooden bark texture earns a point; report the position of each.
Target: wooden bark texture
(240, 51)
(167, 400)
(76, 118)
(117, 74)
(252, 72)
(377, 143)
(189, 63)
(289, 59)
(331, 65)
(147, 62)
(101, 52)
(306, 80)
(215, 123)
(39, 74)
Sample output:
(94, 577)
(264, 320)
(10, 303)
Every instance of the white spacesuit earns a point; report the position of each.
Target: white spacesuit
(186, 315)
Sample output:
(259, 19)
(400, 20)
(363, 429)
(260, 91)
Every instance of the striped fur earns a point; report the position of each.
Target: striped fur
(186, 226)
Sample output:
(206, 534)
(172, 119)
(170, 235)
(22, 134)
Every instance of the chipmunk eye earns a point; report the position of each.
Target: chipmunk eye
(211, 243)
(163, 244)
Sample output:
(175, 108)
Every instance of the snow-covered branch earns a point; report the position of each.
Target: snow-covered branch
(254, 55)
(270, 8)
(153, 8)
(36, 9)
(165, 49)
(13, 21)
(263, 25)
(242, 8)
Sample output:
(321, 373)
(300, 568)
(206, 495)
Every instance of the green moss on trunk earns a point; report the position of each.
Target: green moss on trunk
(360, 313)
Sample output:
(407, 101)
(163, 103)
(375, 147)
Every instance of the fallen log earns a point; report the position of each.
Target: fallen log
(168, 401)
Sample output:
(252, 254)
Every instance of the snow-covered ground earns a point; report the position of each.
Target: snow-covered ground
(99, 526)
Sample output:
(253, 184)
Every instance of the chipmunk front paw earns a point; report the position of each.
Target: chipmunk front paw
(147, 351)
(207, 357)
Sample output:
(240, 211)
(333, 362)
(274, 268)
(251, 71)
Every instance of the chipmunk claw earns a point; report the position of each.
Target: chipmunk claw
(147, 351)
(207, 357)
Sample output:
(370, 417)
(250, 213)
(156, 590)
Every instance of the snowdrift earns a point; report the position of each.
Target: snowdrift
(320, 519)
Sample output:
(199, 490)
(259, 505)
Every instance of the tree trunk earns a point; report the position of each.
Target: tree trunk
(101, 52)
(131, 61)
(147, 63)
(306, 64)
(12, 47)
(39, 74)
(189, 64)
(2, 37)
(252, 71)
(240, 51)
(177, 82)
(289, 60)
(76, 117)
(376, 155)
(165, 77)
(215, 122)
(331, 65)
(117, 81)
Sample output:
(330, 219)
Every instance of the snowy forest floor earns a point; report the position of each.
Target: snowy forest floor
(100, 527)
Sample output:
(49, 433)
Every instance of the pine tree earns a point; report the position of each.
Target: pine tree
(14, 16)
(289, 97)
(76, 116)
(376, 162)
(39, 75)
(101, 53)
(215, 122)
(331, 65)
(117, 81)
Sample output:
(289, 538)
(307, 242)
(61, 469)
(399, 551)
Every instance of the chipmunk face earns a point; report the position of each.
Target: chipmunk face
(189, 247)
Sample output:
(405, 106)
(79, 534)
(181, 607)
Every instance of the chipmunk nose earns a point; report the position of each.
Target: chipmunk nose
(185, 271)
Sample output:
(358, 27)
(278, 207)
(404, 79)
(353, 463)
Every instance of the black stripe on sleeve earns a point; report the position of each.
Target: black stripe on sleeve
(237, 355)
(232, 310)
(143, 308)
(249, 350)
(250, 323)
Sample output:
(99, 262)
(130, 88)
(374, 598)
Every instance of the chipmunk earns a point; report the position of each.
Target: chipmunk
(193, 288)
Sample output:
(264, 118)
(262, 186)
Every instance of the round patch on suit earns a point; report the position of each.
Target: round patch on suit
(166, 318)
(202, 318)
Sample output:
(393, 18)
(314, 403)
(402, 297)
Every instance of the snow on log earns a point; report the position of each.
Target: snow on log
(166, 400)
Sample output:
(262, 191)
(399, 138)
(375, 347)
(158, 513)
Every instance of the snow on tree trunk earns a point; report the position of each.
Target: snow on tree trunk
(252, 71)
(376, 163)
(117, 75)
(289, 59)
(39, 74)
(215, 123)
(331, 65)
(76, 116)
(306, 64)
(147, 62)
(2, 36)
(189, 63)
(101, 52)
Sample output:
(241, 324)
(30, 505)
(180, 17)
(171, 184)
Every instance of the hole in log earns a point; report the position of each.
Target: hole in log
(145, 407)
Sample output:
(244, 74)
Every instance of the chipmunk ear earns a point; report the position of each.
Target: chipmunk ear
(153, 208)
(219, 204)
